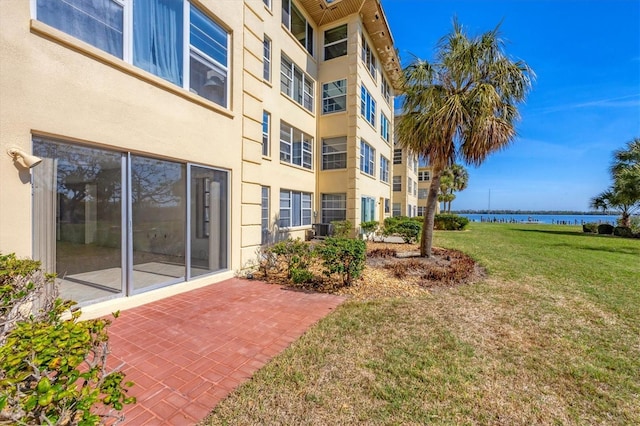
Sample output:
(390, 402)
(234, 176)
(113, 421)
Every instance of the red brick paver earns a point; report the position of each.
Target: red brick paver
(187, 352)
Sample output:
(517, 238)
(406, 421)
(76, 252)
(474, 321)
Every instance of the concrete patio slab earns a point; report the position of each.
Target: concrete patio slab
(189, 351)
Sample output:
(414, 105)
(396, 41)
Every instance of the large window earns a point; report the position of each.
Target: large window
(295, 22)
(296, 84)
(384, 169)
(116, 223)
(397, 183)
(296, 147)
(422, 193)
(367, 158)
(367, 106)
(334, 207)
(384, 127)
(409, 186)
(424, 176)
(396, 210)
(158, 33)
(266, 133)
(368, 209)
(295, 208)
(264, 204)
(266, 58)
(335, 42)
(368, 57)
(422, 210)
(334, 96)
(385, 89)
(334, 153)
(397, 156)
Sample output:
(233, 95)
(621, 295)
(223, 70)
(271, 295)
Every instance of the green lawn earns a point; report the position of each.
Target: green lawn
(550, 336)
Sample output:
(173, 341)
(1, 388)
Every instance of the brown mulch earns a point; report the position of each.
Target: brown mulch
(394, 270)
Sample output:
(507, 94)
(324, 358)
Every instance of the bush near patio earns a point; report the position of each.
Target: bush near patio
(343, 256)
(406, 227)
(52, 370)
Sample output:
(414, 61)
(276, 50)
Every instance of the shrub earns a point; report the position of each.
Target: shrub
(591, 227)
(369, 228)
(342, 228)
(623, 231)
(52, 370)
(450, 222)
(300, 276)
(296, 254)
(409, 230)
(343, 256)
(635, 224)
(605, 228)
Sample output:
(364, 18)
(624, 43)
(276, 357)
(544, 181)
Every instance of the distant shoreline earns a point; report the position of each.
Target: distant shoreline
(539, 212)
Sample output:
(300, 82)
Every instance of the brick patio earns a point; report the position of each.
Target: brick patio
(187, 352)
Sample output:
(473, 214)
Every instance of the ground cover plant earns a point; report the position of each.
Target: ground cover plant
(550, 336)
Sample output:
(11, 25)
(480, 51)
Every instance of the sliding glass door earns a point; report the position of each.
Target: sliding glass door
(111, 224)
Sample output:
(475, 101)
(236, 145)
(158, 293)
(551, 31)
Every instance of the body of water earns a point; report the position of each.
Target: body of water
(559, 219)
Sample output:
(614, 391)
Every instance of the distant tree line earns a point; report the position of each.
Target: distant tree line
(547, 212)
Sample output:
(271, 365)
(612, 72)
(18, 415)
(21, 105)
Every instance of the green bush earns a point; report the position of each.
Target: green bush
(300, 276)
(623, 231)
(369, 228)
(409, 230)
(344, 256)
(635, 224)
(296, 254)
(342, 228)
(450, 222)
(605, 228)
(52, 370)
(591, 227)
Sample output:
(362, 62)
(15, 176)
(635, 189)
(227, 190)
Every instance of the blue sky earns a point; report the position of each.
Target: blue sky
(584, 104)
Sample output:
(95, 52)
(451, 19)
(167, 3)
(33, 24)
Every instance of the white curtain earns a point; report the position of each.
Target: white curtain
(158, 38)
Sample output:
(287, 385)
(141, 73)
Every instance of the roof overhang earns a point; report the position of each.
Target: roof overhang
(324, 12)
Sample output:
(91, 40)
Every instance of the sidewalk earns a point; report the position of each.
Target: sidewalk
(187, 352)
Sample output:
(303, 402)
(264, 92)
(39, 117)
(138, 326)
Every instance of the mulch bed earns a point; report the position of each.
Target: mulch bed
(394, 270)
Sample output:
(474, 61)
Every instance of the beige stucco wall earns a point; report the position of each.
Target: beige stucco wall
(55, 85)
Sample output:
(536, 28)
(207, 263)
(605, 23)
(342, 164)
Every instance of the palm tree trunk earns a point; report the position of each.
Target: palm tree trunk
(426, 241)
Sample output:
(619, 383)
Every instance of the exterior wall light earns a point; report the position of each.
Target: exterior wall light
(24, 159)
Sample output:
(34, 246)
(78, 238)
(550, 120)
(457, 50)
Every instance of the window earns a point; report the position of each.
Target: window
(422, 210)
(385, 89)
(334, 207)
(368, 57)
(367, 158)
(397, 156)
(415, 164)
(367, 106)
(424, 176)
(296, 147)
(422, 193)
(334, 96)
(295, 208)
(409, 186)
(266, 131)
(397, 183)
(384, 127)
(334, 153)
(158, 33)
(368, 209)
(387, 205)
(267, 3)
(384, 169)
(335, 42)
(265, 215)
(295, 22)
(266, 59)
(396, 210)
(296, 84)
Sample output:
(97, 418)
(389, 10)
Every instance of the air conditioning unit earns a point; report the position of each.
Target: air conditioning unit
(323, 229)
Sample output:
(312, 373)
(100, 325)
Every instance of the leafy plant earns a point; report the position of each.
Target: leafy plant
(300, 276)
(623, 231)
(369, 228)
(52, 370)
(605, 228)
(296, 254)
(342, 228)
(590, 227)
(344, 256)
(450, 222)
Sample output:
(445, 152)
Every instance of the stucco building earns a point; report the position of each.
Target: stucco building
(177, 137)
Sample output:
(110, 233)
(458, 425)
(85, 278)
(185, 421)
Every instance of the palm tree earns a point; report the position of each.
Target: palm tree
(453, 179)
(463, 105)
(624, 194)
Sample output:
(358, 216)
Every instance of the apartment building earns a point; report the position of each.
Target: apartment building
(176, 137)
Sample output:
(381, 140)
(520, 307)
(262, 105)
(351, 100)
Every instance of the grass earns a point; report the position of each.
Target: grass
(551, 336)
